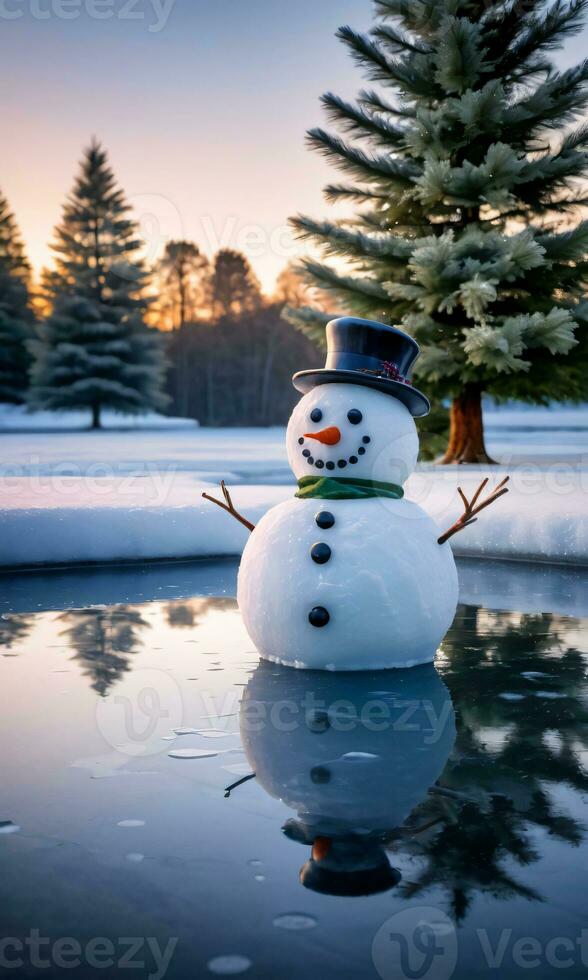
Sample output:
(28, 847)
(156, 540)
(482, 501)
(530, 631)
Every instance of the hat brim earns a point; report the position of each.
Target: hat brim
(417, 403)
(351, 884)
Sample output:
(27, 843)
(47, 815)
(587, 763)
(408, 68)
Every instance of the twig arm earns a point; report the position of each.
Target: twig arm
(472, 507)
(228, 506)
(239, 782)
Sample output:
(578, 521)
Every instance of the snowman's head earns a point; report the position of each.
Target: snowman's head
(350, 430)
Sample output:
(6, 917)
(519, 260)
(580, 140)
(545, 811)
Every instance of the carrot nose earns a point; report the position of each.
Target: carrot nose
(321, 848)
(329, 437)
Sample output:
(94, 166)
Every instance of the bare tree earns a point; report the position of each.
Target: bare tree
(184, 274)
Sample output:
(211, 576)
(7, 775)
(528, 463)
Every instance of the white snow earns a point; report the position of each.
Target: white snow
(516, 433)
(79, 496)
(387, 577)
(16, 418)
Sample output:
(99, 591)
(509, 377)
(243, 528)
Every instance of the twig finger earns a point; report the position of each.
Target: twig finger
(476, 496)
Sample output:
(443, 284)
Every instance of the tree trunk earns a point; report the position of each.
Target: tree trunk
(466, 434)
(96, 417)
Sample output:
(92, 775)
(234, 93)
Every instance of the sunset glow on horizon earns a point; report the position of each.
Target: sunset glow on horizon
(203, 120)
(202, 108)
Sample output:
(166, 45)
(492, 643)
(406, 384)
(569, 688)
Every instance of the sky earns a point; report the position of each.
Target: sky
(201, 104)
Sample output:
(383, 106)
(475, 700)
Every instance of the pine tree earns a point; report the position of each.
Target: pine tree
(494, 805)
(234, 286)
(104, 640)
(16, 317)
(465, 179)
(95, 351)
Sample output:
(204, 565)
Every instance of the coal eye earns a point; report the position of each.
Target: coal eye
(316, 415)
(354, 416)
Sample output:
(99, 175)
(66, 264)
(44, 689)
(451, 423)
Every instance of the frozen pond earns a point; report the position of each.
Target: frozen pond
(429, 823)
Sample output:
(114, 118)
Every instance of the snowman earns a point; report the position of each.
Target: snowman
(348, 574)
(353, 756)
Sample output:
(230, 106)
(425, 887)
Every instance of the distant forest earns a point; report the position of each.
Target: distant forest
(231, 354)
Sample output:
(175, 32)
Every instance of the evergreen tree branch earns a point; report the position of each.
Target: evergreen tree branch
(361, 165)
(340, 241)
(309, 321)
(557, 100)
(414, 76)
(503, 23)
(358, 121)
(566, 246)
(574, 140)
(338, 192)
(364, 295)
(375, 102)
(421, 16)
(562, 20)
(397, 41)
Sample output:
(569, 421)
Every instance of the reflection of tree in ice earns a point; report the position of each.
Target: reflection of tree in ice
(13, 629)
(519, 693)
(185, 614)
(180, 614)
(103, 640)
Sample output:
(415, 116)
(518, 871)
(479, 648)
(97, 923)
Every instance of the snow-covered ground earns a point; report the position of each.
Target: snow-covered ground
(79, 496)
(15, 418)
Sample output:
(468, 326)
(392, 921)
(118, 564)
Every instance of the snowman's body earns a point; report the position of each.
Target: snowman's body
(348, 584)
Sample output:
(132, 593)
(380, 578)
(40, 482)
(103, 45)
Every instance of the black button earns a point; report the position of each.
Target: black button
(318, 617)
(366, 439)
(320, 553)
(325, 519)
(306, 452)
(353, 459)
(361, 451)
(330, 465)
(355, 416)
(342, 464)
(301, 441)
(320, 775)
(316, 415)
(311, 460)
(318, 721)
(319, 464)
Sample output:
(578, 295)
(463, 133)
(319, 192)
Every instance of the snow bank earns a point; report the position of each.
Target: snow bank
(69, 496)
(84, 530)
(15, 418)
(544, 518)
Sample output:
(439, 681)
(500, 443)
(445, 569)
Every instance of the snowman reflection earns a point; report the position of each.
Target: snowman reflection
(352, 754)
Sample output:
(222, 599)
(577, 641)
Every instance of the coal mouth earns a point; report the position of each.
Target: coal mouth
(340, 464)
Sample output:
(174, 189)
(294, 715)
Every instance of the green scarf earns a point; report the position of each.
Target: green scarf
(342, 488)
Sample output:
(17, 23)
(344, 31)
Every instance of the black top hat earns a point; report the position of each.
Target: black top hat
(364, 352)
